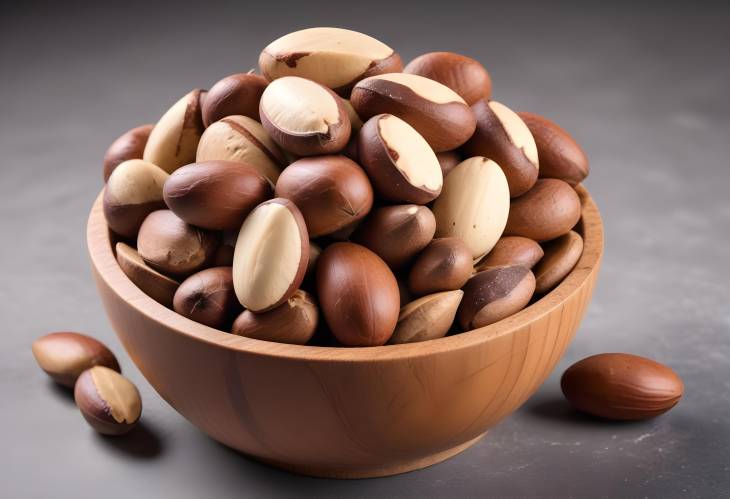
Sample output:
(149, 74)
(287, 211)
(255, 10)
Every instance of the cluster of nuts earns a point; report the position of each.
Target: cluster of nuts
(401, 203)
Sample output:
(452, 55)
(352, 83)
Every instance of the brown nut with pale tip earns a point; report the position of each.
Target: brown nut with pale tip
(271, 255)
(502, 136)
(129, 145)
(207, 297)
(444, 265)
(621, 386)
(548, 210)
(216, 195)
(448, 161)
(237, 94)
(172, 246)
(464, 75)
(358, 294)
(174, 139)
(427, 318)
(397, 233)
(304, 117)
(561, 255)
(65, 355)
(293, 322)
(495, 294)
(438, 113)
(109, 402)
(157, 286)
(133, 191)
(332, 192)
(560, 155)
(511, 250)
(334, 57)
(400, 163)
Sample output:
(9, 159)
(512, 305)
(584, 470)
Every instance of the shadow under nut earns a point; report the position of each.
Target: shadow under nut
(548, 210)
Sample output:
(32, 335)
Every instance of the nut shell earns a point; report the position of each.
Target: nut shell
(237, 94)
(109, 402)
(445, 264)
(427, 318)
(512, 250)
(548, 210)
(561, 255)
(464, 75)
(129, 145)
(207, 297)
(157, 286)
(294, 321)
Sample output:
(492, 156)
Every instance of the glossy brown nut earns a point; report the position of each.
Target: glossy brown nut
(237, 94)
(397, 233)
(511, 250)
(548, 210)
(621, 386)
(129, 145)
(109, 402)
(495, 294)
(503, 137)
(464, 75)
(438, 113)
(294, 321)
(560, 155)
(174, 247)
(332, 192)
(445, 264)
(157, 286)
(358, 295)
(448, 161)
(427, 318)
(561, 255)
(65, 355)
(208, 297)
(216, 195)
(400, 163)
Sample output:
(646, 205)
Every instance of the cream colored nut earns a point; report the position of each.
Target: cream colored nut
(157, 286)
(294, 321)
(109, 402)
(473, 205)
(427, 318)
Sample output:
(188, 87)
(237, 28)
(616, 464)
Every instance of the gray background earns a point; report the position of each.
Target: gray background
(643, 88)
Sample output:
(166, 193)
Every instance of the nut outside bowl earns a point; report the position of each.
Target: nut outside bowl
(346, 412)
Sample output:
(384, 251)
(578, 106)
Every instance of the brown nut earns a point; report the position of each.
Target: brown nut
(237, 94)
(133, 191)
(462, 74)
(445, 264)
(355, 121)
(332, 192)
(548, 210)
(400, 163)
(511, 250)
(271, 255)
(109, 402)
(216, 195)
(560, 155)
(503, 137)
(448, 161)
(427, 318)
(621, 386)
(494, 294)
(294, 321)
(157, 286)
(397, 233)
(174, 139)
(358, 294)
(304, 117)
(561, 255)
(64, 356)
(129, 145)
(438, 113)
(207, 297)
(336, 58)
(314, 253)
(174, 247)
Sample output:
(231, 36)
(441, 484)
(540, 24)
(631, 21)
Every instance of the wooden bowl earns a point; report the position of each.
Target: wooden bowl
(346, 412)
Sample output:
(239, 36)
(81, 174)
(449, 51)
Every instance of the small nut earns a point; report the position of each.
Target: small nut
(64, 356)
(332, 192)
(621, 386)
(445, 264)
(511, 250)
(129, 145)
(438, 113)
(561, 255)
(427, 318)
(271, 255)
(464, 75)
(548, 210)
(157, 286)
(109, 402)
(473, 205)
(174, 139)
(448, 161)
(133, 191)
(503, 137)
(294, 321)
(207, 297)
(336, 58)
(401, 164)
(237, 94)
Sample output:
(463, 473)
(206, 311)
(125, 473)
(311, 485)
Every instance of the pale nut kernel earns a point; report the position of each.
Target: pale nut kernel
(109, 402)
(427, 318)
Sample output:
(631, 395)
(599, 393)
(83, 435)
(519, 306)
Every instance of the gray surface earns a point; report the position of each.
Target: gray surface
(643, 89)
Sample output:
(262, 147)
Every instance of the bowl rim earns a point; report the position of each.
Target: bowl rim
(104, 263)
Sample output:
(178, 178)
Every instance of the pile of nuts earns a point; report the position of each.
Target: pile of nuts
(400, 203)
